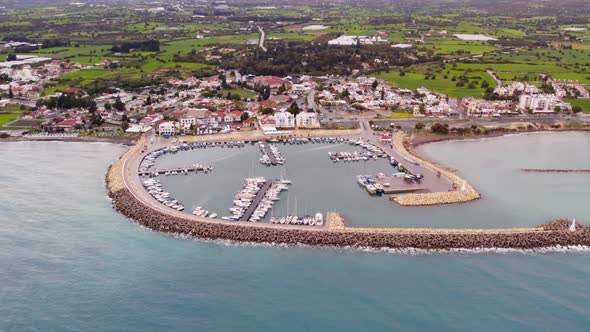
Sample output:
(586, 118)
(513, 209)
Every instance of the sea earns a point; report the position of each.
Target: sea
(69, 262)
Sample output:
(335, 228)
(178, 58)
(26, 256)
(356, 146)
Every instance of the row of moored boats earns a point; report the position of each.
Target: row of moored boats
(245, 198)
(271, 155)
(154, 188)
(307, 220)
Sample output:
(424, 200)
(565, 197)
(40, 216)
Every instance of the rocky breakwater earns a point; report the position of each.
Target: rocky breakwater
(547, 170)
(463, 192)
(555, 233)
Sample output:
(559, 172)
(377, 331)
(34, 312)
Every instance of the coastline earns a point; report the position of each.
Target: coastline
(336, 234)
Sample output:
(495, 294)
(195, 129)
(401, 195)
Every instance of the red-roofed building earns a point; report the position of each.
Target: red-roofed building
(67, 124)
(178, 114)
(72, 91)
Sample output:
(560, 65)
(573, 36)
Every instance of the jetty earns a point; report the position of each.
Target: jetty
(259, 196)
(266, 150)
(180, 170)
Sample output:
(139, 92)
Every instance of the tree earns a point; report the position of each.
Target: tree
(294, 108)
(245, 116)
(577, 109)
(438, 128)
(92, 107)
(125, 125)
(119, 105)
(267, 110)
(485, 84)
(10, 93)
(419, 126)
(375, 84)
(108, 106)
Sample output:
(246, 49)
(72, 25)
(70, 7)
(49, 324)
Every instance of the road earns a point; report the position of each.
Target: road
(493, 75)
(311, 100)
(408, 124)
(262, 38)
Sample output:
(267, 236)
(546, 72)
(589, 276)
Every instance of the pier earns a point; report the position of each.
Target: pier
(177, 170)
(259, 196)
(267, 151)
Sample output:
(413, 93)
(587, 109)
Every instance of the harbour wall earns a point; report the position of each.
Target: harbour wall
(551, 234)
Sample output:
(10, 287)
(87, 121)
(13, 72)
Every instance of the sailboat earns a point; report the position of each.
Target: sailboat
(573, 226)
(464, 186)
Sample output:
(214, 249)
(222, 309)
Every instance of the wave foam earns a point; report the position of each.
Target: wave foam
(398, 251)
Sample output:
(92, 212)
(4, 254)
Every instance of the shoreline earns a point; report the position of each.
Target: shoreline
(336, 234)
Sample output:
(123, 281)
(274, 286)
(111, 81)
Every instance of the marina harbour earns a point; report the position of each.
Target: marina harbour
(319, 184)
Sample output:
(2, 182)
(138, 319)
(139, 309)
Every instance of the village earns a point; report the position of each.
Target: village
(230, 102)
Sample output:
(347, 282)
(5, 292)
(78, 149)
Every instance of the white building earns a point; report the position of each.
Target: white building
(284, 120)
(345, 40)
(307, 120)
(542, 103)
(186, 122)
(167, 128)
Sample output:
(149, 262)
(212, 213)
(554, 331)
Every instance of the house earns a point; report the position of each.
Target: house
(307, 120)
(267, 123)
(67, 124)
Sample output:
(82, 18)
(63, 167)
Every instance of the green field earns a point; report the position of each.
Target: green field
(583, 103)
(6, 118)
(243, 93)
(440, 84)
(401, 115)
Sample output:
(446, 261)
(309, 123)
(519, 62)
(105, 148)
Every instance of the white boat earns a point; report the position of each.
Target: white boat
(573, 226)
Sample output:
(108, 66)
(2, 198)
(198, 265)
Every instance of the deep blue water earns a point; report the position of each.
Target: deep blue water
(68, 262)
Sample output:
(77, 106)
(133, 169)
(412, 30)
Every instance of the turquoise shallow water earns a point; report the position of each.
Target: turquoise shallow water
(68, 262)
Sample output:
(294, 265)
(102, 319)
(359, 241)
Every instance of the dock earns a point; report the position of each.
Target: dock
(259, 196)
(177, 170)
(267, 151)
